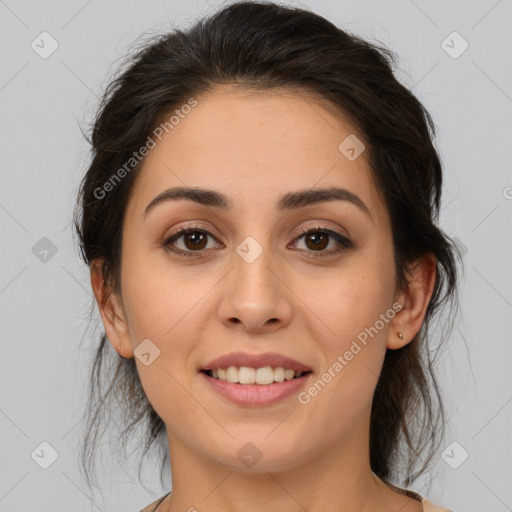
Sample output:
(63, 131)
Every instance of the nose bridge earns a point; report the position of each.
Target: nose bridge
(252, 262)
(254, 248)
(253, 293)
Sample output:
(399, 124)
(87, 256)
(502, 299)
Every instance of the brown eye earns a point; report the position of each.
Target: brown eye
(194, 241)
(317, 239)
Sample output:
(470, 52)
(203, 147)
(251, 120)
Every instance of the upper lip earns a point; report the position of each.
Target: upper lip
(272, 359)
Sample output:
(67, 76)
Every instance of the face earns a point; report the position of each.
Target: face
(249, 279)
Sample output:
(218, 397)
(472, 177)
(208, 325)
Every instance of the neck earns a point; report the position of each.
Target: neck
(338, 478)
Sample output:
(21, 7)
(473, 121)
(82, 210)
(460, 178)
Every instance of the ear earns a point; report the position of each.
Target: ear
(111, 311)
(414, 301)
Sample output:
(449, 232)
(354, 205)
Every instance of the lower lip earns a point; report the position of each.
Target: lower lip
(256, 394)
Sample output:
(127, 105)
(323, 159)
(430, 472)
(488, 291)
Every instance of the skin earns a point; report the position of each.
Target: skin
(253, 148)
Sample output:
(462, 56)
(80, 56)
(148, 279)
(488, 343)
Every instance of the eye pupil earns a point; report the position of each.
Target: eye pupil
(316, 242)
(196, 237)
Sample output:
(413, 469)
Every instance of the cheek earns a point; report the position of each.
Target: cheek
(160, 308)
(355, 306)
(155, 298)
(164, 305)
(342, 392)
(352, 298)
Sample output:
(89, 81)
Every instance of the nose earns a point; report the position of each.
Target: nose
(255, 297)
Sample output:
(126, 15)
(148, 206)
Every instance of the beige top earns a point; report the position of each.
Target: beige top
(427, 505)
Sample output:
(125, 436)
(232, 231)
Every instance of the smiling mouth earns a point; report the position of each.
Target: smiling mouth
(245, 375)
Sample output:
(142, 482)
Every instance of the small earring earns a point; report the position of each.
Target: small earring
(400, 335)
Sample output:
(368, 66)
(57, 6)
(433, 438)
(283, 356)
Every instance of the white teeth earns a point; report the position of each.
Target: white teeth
(248, 375)
(232, 374)
(279, 374)
(264, 375)
(244, 374)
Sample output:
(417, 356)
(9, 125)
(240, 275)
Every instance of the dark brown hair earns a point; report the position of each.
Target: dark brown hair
(258, 46)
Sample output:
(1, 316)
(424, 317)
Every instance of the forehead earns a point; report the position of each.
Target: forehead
(255, 147)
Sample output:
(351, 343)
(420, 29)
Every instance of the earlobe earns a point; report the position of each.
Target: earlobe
(111, 312)
(414, 300)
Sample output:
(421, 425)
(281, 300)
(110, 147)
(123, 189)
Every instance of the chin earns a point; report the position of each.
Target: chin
(259, 452)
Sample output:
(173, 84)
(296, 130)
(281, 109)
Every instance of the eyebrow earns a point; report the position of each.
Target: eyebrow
(287, 202)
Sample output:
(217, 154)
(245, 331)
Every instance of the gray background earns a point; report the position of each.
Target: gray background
(45, 297)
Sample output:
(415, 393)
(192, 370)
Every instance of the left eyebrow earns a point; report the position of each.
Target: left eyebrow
(287, 202)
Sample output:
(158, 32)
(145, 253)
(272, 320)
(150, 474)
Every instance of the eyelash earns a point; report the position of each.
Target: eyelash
(343, 241)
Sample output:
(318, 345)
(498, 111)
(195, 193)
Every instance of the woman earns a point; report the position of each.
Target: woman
(259, 219)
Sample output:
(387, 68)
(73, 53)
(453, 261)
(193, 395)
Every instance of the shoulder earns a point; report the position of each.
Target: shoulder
(152, 506)
(428, 506)
(431, 507)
